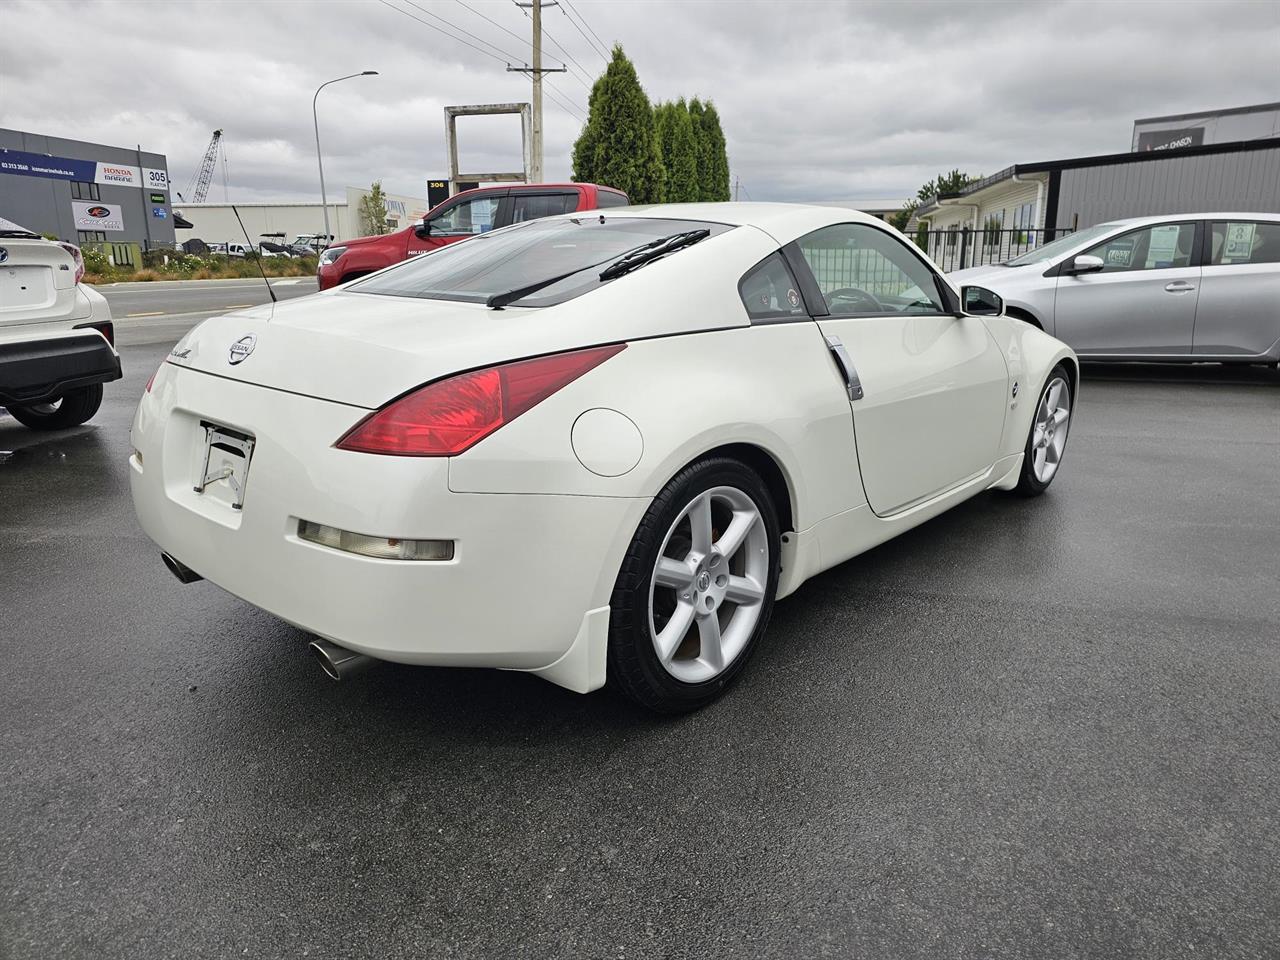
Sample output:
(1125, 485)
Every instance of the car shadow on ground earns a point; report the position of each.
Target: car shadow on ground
(1252, 374)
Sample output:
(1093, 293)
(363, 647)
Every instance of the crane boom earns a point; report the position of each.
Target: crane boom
(205, 175)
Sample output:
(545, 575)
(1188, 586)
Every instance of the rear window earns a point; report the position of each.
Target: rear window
(528, 253)
(611, 198)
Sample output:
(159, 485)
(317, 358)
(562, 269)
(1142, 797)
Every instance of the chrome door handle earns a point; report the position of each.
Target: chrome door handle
(847, 369)
(1179, 286)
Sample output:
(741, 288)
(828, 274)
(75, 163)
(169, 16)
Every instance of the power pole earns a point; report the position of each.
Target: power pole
(536, 70)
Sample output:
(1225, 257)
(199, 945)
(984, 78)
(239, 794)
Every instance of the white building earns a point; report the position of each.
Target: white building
(216, 222)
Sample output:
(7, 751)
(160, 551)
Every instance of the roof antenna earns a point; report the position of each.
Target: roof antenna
(249, 243)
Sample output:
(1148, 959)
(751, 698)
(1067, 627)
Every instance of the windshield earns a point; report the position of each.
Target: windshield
(1060, 246)
(528, 254)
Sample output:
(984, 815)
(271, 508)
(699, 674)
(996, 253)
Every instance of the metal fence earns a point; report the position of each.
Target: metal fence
(957, 248)
(838, 267)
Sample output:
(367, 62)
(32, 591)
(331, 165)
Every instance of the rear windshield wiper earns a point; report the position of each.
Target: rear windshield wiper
(624, 264)
(653, 251)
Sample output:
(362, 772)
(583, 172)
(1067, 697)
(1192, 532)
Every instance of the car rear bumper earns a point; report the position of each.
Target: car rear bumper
(526, 569)
(35, 371)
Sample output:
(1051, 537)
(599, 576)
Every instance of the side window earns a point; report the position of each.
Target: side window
(611, 198)
(1239, 242)
(534, 206)
(1159, 247)
(769, 292)
(467, 218)
(862, 270)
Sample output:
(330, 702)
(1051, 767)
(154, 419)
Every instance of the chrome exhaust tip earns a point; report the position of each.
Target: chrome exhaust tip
(337, 662)
(180, 570)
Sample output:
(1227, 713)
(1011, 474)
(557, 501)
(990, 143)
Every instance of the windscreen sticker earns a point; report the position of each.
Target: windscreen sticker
(1163, 247)
(1238, 247)
(1120, 252)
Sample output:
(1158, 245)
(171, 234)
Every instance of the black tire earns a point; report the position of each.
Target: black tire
(634, 668)
(69, 410)
(1029, 485)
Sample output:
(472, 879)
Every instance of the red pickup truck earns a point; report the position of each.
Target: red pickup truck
(465, 215)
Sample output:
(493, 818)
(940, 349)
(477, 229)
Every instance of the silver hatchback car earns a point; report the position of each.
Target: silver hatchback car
(1202, 286)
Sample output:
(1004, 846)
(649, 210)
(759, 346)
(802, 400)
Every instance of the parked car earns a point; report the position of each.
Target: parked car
(664, 400)
(1202, 286)
(468, 214)
(309, 244)
(56, 337)
(231, 248)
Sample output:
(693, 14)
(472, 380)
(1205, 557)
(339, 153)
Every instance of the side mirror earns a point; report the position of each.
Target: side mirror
(980, 302)
(1086, 264)
(422, 230)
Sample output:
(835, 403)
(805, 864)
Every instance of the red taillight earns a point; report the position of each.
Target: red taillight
(444, 418)
(77, 256)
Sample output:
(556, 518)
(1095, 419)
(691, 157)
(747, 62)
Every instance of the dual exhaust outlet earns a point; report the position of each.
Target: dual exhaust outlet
(338, 663)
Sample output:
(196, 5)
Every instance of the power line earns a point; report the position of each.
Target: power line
(454, 26)
(603, 48)
(494, 22)
(507, 62)
(445, 32)
(570, 59)
(553, 93)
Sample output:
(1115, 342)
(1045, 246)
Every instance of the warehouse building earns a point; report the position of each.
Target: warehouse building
(216, 222)
(85, 192)
(1024, 205)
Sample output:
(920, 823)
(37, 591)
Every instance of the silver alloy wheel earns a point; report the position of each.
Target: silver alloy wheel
(707, 589)
(1049, 433)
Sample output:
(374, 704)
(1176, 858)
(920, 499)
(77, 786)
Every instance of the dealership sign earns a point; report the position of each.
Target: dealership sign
(90, 215)
(24, 164)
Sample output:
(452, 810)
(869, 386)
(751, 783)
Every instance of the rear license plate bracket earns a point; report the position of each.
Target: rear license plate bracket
(226, 459)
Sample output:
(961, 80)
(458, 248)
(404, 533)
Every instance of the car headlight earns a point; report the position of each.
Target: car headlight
(331, 255)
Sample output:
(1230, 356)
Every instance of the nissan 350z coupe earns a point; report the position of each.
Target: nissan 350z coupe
(593, 447)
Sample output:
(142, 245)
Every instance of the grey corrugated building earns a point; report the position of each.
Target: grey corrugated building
(85, 192)
(1026, 204)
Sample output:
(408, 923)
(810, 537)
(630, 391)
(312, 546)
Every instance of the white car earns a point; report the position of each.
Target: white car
(56, 337)
(592, 447)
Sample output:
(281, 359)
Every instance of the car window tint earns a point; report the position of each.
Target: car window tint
(533, 206)
(862, 271)
(769, 292)
(577, 249)
(467, 218)
(1157, 247)
(611, 198)
(1245, 242)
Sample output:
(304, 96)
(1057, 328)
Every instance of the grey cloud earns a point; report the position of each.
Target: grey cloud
(818, 100)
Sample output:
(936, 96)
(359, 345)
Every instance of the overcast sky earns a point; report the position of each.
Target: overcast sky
(819, 100)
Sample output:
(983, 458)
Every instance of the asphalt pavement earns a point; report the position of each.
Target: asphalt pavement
(1041, 728)
(160, 312)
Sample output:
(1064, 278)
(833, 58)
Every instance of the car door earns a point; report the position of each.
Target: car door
(932, 385)
(1143, 300)
(457, 219)
(1238, 313)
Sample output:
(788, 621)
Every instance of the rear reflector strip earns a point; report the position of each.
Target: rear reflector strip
(380, 548)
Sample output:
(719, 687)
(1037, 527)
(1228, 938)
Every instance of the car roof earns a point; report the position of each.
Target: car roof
(783, 221)
(1166, 217)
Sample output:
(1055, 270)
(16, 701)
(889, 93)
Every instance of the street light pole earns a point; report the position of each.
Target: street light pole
(315, 117)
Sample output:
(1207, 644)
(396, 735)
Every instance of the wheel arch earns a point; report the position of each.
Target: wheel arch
(1025, 315)
(762, 462)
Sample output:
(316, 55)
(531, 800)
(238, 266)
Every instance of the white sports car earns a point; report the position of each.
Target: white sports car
(593, 447)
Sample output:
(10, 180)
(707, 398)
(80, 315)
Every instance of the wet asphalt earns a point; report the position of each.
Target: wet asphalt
(1030, 728)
